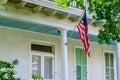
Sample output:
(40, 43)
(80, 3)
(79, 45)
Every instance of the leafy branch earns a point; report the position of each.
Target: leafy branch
(107, 10)
(7, 71)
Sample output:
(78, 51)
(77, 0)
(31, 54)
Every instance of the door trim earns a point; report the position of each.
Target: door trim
(32, 41)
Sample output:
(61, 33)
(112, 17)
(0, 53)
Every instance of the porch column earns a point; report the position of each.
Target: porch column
(118, 61)
(64, 56)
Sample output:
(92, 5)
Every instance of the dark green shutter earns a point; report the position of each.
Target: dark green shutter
(81, 64)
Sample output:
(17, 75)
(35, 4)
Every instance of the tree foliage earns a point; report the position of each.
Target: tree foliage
(7, 71)
(107, 10)
(37, 77)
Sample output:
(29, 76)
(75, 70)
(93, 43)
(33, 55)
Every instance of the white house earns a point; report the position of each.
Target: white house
(40, 36)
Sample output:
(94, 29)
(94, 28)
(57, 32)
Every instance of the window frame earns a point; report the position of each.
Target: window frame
(74, 56)
(114, 61)
(55, 48)
(43, 54)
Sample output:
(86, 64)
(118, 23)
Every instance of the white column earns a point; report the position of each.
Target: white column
(118, 61)
(64, 56)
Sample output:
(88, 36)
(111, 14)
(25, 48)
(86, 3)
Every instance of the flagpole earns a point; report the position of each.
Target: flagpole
(77, 24)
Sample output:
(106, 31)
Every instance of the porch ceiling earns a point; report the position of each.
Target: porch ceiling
(47, 8)
(40, 28)
(28, 26)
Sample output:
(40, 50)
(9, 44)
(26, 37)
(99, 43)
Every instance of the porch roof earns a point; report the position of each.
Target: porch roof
(6, 22)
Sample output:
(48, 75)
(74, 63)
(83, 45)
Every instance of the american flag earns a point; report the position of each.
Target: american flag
(83, 32)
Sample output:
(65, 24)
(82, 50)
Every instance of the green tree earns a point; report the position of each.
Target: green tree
(7, 71)
(107, 10)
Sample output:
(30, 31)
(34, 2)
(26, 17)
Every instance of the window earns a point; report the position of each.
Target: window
(42, 65)
(36, 64)
(81, 64)
(42, 48)
(47, 67)
(109, 66)
(42, 61)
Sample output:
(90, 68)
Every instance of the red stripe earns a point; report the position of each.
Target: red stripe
(83, 32)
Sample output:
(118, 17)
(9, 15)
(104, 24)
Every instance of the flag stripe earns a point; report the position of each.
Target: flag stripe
(83, 32)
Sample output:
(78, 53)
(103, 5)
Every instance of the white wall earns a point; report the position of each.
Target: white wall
(14, 43)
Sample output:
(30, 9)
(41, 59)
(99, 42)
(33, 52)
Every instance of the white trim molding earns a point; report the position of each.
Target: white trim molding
(118, 60)
(114, 56)
(53, 55)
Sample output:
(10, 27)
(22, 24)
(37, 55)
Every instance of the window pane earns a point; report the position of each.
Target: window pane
(84, 78)
(112, 78)
(112, 72)
(111, 60)
(107, 78)
(107, 60)
(78, 78)
(78, 70)
(43, 48)
(107, 71)
(83, 58)
(78, 57)
(36, 65)
(84, 71)
(48, 67)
